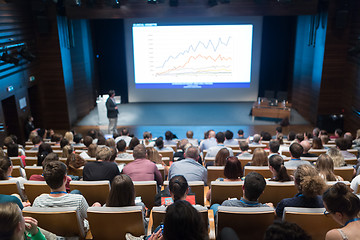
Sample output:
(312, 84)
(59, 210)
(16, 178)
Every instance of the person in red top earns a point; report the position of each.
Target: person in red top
(142, 169)
(50, 158)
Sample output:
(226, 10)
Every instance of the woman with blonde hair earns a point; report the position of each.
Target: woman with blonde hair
(325, 166)
(336, 156)
(110, 142)
(310, 187)
(153, 155)
(259, 157)
(70, 137)
(67, 150)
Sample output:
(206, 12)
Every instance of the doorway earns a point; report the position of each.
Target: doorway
(11, 117)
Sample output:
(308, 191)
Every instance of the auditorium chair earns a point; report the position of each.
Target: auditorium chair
(286, 153)
(346, 173)
(62, 221)
(353, 151)
(16, 161)
(31, 161)
(330, 183)
(209, 159)
(33, 189)
(28, 147)
(221, 191)
(123, 160)
(172, 146)
(351, 161)
(33, 170)
(29, 153)
(93, 191)
(196, 187)
(233, 147)
(248, 223)
(166, 160)
(17, 172)
(244, 161)
(274, 192)
(312, 220)
(58, 152)
(112, 223)
(309, 159)
(263, 170)
(214, 172)
(76, 172)
(161, 169)
(318, 151)
(147, 191)
(169, 154)
(253, 147)
(157, 217)
(8, 187)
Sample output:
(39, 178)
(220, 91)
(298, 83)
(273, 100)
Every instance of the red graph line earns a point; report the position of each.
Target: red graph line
(198, 56)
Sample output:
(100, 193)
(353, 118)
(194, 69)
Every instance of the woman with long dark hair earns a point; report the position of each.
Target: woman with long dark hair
(277, 168)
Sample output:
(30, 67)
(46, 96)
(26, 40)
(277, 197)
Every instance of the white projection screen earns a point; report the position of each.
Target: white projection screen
(193, 60)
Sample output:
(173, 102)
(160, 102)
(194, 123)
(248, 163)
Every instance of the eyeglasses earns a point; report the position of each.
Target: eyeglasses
(326, 212)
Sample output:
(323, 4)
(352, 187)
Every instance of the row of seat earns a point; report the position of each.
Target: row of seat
(109, 223)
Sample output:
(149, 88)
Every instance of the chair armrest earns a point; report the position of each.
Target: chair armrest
(212, 235)
(150, 224)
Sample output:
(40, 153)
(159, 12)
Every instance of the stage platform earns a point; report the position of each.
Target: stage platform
(180, 117)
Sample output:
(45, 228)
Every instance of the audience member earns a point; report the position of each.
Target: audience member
(336, 156)
(70, 137)
(101, 140)
(189, 167)
(310, 186)
(317, 143)
(281, 230)
(324, 139)
(121, 147)
(325, 166)
(220, 138)
(13, 151)
(153, 155)
(274, 146)
(142, 169)
(36, 141)
(44, 150)
(229, 141)
(110, 142)
(133, 143)
(191, 139)
(159, 145)
(102, 168)
(291, 136)
(148, 142)
(182, 221)
(299, 137)
(316, 132)
(183, 145)
(256, 140)
(90, 153)
(51, 157)
(56, 138)
(67, 150)
(265, 136)
(259, 158)
(73, 163)
(295, 151)
(124, 136)
(306, 147)
(337, 134)
(241, 134)
(169, 136)
(342, 144)
(244, 147)
(77, 140)
(55, 177)
(16, 227)
(220, 159)
(278, 170)
(88, 140)
(208, 142)
(64, 142)
(344, 208)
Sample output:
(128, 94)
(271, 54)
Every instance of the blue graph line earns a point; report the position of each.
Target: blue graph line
(194, 49)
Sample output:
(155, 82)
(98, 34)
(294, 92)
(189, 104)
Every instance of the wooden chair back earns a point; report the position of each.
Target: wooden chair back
(8, 187)
(169, 154)
(221, 191)
(29, 153)
(33, 189)
(31, 161)
(17, 172)
(110, 223)
(93, 191)
(215, 172)
(147, 191)
(65, 222)
(76, 172)
(16, 161)
(263, 170)
(248, 223)
(317, 151)
(346, 173)
(312, 220)
(33, 170)
(276, 191)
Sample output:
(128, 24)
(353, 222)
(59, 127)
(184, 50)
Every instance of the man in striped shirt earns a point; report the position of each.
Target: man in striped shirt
(55, 176)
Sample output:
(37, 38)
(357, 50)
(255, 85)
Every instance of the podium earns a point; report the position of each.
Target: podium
(270, 108)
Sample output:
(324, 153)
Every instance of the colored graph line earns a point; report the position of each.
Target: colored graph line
(194, 58)
(194, 49)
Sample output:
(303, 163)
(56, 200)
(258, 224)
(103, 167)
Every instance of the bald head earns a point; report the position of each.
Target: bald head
(139, 151)
(212, 134)
(306, 145)
(192, 152)
(257, 138)
(183, 143)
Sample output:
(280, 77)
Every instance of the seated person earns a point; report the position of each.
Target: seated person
(285, 230)
(50, 158)
(91, 151)
(102, 168)
(253, 187)
(16, 227)
(159, 145)
(121, 147)
(310, 186)
(307, 146)
(325, 166)
(344, 208)
(220, 159)
(229, 141)
(73, 163)
(14, 199)
(6, 169)
(278, 170)
(244, 147)
(55, 177)
(220, 138)
(342, 144)
(13, 151)
(295, 152)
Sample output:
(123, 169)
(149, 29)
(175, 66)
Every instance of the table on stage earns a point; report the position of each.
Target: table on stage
(263, 108)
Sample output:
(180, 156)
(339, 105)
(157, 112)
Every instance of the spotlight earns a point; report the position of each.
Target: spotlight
(10, 58)
(26, 54)
(212, 3)
(75, 3)
(116, 4)
(173, 3)
(151, 1)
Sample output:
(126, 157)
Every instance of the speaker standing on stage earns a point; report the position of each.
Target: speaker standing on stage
(112, 112)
